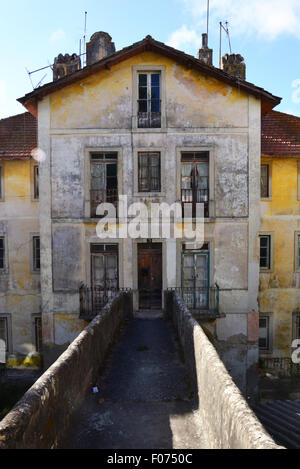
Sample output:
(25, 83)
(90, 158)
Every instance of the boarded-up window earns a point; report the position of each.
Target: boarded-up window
(264, 332)
(36, 253)
(265, 252)
(264, 181)
(149, 172)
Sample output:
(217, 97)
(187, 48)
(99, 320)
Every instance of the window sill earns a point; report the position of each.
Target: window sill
(149, 194)
(266, 199)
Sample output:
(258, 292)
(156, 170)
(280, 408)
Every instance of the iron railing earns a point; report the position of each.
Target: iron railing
(284, 366)
(93, 299)
(200, 300)
(152, 117)
(194, 196)
(100, 196)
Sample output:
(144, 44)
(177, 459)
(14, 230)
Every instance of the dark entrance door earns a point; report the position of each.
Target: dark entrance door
(150, 275)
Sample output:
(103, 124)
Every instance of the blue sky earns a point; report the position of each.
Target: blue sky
(265, 32)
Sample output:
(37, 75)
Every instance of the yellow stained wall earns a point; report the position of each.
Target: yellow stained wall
(104, 100)
(19, 286)
(279, 289)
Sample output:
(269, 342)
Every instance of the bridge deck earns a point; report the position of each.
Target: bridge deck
(145, 399)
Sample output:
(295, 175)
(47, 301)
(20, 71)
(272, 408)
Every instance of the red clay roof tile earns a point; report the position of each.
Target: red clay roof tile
(280, 134)
(18, 136)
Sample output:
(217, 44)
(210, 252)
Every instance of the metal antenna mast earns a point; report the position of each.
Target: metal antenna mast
(84, 37)
(226, 29)
(207, 18)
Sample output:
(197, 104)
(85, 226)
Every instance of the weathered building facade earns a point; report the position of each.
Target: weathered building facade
(20, 314)
(279, 293)
(156, 125)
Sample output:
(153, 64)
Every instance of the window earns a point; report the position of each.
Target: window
(36, 192)
(195, 180)
(296, 326)
(1, 184)
(36, 253)
(4, 331)
(264, 181)
(265, 252)
(149, 100)
(264, 333)
(149, 172)
(2, 253)
(104, 262)
(38, 333)
(104, 180)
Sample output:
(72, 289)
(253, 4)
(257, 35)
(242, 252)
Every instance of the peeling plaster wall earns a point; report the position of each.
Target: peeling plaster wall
(19, 285)
(201, 113)
(279, 289)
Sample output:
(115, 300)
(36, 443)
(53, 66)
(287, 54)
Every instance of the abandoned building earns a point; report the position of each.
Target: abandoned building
(279, 294)
(157, 125)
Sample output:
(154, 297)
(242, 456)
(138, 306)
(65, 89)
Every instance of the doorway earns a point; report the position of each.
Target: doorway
(150, 276)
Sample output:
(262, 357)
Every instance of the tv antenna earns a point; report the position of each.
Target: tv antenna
(207, 19)
(226, 29)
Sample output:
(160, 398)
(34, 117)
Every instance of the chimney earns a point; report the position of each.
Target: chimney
(234, 65)
(205, 54)
(99, 47)
(65, 65)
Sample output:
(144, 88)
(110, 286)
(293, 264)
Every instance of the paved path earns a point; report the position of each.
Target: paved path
(145, 399)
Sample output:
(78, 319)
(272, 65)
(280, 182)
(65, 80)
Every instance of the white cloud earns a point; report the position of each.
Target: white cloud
(184, 37)
(57, 35)
(296, 93)
(265, 18)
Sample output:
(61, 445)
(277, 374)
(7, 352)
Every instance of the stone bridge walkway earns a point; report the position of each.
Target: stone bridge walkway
(145, 399)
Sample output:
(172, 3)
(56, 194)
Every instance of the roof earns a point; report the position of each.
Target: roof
(149, 44)
(18, 136)
(280, 134)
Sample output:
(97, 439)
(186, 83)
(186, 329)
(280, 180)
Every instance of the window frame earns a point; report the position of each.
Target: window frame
(36, 339)
(140, 69)
(34, 184)
(150, 179)
(2, 196)
(4, 269)
(269, 348)
(296, 325)
(104, 162)
(35, 269)
(7, 318)
(270, 267)
(194, 162)
(296, 251)
(269, 166)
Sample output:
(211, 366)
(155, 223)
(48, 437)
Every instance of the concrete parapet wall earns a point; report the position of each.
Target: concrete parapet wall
(226, 418)
(40, 419)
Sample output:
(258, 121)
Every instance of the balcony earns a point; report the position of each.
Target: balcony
(100, 196)
(149, 119)
(202, 303)
(194, 196)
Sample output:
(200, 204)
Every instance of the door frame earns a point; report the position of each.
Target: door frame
(205, 252)
(161, 252)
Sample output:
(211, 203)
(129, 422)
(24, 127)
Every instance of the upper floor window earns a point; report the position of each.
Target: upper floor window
(195, 180)
(149, 100)
(104, 179)
(296, 326)
(265, 181)
(36, 253)
(4, 331)
(265, 252)
(149, 172)
(2, 253)
(36, 192)
(264, 333)
(1, 184)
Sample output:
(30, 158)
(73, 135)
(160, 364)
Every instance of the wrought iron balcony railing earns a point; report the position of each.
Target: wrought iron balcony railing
(100, 196)
(200, 300)
(93, 299)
